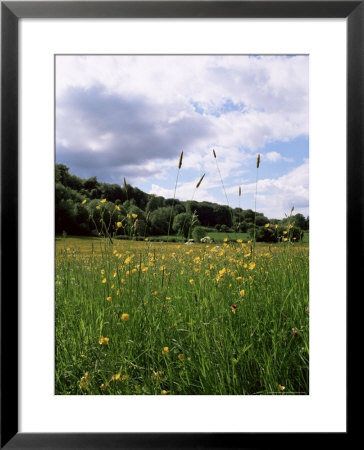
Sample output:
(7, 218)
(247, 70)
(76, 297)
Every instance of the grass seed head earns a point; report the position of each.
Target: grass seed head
(213, 151)
(258, 160)
(198, 184)
(180, 160)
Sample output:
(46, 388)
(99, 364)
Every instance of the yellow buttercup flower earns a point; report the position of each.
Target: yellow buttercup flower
(266, 225)
(103, 340)
(251, 265)
(281, 388)
(181, 357)
(134, 216)
(125, 317)
(164, 392)
(103, 200)
(108, 299)
(117, 207)
(85, 381)
(119, 224)
(242, 293)
(84, 201)
(165, 350)
(97, 207)
(104, 281)
(192, 281)
(116, 377)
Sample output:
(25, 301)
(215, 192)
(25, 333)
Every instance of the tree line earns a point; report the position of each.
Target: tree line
(90, 207)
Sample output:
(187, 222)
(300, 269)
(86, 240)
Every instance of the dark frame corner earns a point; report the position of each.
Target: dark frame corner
(11, 12)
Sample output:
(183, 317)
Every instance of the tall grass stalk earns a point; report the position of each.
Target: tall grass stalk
(223, 187)
(197, 186)
(255, 201)
(126, 189)
(175, 190)
(193, 215)
(239, 209)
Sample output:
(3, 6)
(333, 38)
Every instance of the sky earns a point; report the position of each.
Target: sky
(131, 116)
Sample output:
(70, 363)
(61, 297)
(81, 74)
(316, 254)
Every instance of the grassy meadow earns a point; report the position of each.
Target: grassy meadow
(151, 318)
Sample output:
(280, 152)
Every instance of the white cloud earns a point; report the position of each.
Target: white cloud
(271, 94)
(132, 115)
(275, 157)
(277, 196)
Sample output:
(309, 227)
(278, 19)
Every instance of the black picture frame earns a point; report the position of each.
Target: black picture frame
(11, 12)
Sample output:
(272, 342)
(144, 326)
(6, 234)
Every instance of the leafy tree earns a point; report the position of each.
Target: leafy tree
(290, 232)
(140, 197)
(112, 192)
(159, 220)
(261, 220)
(300, 221)
(129, 203)
(90, 184)
(248, 215)
(61, 174)
(95, 193)
(198, 233)
(154, 203)
(264, 234)
(182, 224)
(139, 212)
(67, 209)
(222, 214)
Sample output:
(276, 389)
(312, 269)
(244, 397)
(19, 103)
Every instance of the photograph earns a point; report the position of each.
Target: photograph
(181, 224)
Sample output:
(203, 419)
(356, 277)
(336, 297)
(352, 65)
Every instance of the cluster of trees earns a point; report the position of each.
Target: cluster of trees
(78, 211)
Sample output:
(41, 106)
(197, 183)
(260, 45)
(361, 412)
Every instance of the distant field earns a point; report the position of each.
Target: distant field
(219, 236)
